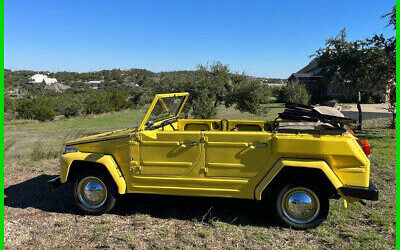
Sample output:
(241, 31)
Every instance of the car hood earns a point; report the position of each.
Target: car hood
(116, 134)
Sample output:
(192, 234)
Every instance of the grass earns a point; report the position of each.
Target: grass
(29, 138)
(52, 135)
(35, 217)
(40, 151)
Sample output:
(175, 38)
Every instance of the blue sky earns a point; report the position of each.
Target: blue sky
(262, 38)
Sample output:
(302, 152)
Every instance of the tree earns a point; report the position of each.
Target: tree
(38, 109)
(202, 97)
(294, 92)
(392, 105)
(392, 17)
(362, 65)
(389, 46)
(248, 96)
(220, 81)
(214, 85)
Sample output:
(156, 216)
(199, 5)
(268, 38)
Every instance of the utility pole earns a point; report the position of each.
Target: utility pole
(359, 127)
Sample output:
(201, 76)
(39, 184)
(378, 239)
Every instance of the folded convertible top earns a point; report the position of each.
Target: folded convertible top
(319, 117)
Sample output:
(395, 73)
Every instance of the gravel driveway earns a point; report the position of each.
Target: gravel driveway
(367, 115)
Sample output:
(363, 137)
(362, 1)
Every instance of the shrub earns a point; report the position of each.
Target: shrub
(117, 100)
(135, 96)
(24, 109)
(9, 104)
(248, 97)
(294, 92)
(72, 109)
(44, 113)
(37, 109)
(96, 103)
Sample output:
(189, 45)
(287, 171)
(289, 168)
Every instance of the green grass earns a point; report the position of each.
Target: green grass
(52, 135)
(177, 222)
(27, 138)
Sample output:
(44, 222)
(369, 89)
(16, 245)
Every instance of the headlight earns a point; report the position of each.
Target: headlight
(70, 150)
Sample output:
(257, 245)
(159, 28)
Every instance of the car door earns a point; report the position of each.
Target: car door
(236, 154)
(169, 153)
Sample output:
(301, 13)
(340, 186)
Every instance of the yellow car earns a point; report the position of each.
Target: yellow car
(296, 163)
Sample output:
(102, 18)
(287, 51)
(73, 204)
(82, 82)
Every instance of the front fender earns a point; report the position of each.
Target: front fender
(106, 160)
(303, 163)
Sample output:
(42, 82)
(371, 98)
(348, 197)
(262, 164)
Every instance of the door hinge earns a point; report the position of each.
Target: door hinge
(205, 170)
(137, 169)
(204, 139)
(136, 138)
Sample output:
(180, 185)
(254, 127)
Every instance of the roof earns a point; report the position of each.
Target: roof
(94, 82)
(312, 68)
(58, 87)
(39, 78)
(302, 74)
(49, 80)
(310, 72)
(38, 75)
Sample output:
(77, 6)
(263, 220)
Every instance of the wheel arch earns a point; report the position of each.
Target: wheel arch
(72, 163)
(286, 168)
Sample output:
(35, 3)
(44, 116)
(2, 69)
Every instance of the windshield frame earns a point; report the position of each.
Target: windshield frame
(160, 97)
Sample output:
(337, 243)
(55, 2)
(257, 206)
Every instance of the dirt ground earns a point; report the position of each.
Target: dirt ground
(375, 108)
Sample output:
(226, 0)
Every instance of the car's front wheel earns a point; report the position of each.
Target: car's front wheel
(93, 192)
(301, 206)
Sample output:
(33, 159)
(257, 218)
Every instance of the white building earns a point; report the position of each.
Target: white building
(94, 83)
(40, 78)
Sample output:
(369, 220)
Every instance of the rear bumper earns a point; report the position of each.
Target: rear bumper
(369, 193)
(54, 183)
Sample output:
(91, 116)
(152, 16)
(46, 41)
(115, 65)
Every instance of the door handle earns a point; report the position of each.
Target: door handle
(188, 144)
(258, 145)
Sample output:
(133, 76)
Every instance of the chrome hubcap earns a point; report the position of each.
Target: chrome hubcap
(92, 192)
(300, 205)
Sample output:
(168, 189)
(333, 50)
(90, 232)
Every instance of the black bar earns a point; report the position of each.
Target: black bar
(369, 193)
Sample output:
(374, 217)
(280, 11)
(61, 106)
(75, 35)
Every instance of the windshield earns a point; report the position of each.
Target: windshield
(165, 108)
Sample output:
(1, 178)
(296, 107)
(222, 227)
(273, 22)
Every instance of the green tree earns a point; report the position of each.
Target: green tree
(294, 92)
(37, 109)
(362, 65)
(220, 79)
(202, 97)
(392, 105)
(248, 96)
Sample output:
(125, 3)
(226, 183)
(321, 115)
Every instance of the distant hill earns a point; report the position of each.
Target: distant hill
(18, 80)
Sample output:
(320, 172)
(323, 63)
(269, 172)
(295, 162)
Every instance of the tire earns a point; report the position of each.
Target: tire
(93, 192)
(310, 214)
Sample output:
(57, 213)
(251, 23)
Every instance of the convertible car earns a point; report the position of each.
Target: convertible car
(295, 163)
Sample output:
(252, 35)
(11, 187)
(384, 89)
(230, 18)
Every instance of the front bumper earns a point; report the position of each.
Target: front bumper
(54, 183)
(369, 193)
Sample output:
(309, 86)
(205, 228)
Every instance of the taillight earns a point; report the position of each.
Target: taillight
(365, 146)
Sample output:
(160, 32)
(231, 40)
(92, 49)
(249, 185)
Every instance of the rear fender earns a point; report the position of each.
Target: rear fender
(301, 163)
(106, 160)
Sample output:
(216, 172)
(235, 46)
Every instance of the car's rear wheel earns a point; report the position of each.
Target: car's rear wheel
(301, 206)
(93, 192)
